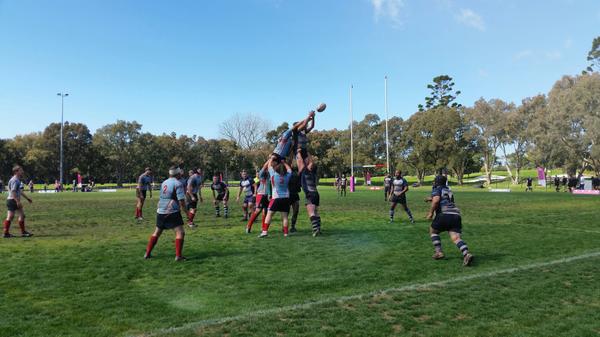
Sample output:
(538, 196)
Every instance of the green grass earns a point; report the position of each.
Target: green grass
(83, 273)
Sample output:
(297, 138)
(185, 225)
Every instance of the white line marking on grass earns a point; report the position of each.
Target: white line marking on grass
(406, 288)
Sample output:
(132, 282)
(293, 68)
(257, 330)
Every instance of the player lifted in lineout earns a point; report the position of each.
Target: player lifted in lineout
(447, 219)
(193, 195)
(144, 184)
(220, 193)
(247, 188)
(285, 141)
(280, 173)
(14, 205)
(309, 178)
(262, 197)
(170, 204)
(398, 195)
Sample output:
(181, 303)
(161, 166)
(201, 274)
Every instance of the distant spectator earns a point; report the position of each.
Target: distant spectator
(595, 183)
(572, 184)
(74, 185)
(31, 187)
(45, 186)
(529, 185)
(557, 183)
(565, 182)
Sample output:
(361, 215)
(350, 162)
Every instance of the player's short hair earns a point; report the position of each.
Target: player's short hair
(147, 169)
(440, 180)
(16, 169)
(174, 170)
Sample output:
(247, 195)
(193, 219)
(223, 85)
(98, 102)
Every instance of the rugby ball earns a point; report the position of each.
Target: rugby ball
(321, 107)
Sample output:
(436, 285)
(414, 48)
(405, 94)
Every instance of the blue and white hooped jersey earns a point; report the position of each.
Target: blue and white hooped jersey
(446, 205)
(247, 186)
(171, 192)
(280, 184)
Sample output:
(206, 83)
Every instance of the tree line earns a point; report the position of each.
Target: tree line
(560, 129)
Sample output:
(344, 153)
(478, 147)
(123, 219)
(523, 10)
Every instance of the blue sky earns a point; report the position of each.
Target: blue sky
(184, 66)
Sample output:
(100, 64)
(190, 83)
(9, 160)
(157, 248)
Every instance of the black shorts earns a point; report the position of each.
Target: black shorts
(191, 204)
(11, 204)
(399, 199)
(249, 199)
(447, 223)
(169, 221)
(262, 201)
(294, 197)
(387, 190)
(312, 198)
(280, 205)
(223, 196)
(140, 193)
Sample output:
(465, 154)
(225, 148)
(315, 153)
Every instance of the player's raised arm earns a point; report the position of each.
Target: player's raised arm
(302, 124)
(310, 125)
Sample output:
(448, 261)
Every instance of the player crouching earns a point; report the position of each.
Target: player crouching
(447, 218)
(13, 203)
(170, 204)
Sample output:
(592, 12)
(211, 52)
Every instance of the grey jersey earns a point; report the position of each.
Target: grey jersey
(387, 182)
(309, 180)
(14, 188)
(398, 185)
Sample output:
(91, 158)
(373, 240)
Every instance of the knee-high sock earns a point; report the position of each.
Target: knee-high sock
(437, 242)
(409, 213)
(191, 216)
(285, 230)
(226, 210)
(315, 221)
(22, 225)
(178, 247)
(391, 214)
(251, 221)
(217, 210)
(265, 226)
(464, 249)
(137, 212)
(151, 243)
(6, 224)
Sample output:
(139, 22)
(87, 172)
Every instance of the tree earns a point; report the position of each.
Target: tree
(442, 93)
(593, 57)
(488, 118)
(116, 142)
(248, 131)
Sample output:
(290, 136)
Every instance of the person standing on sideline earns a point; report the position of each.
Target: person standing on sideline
(144, 184)
(14, 205)
(557, 183)
(170, 204)
(387, 184)
(31, 186)
(447, 219)
(529, 185)
(343, 184)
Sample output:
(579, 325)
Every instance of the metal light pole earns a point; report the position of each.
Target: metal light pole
(351, 137)
(62, 112)
(387, 140)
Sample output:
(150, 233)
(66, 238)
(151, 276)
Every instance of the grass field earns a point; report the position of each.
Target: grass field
(537, 271)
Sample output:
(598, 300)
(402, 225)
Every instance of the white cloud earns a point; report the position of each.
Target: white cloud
(470, 18)
(388, 9)
(523, 54)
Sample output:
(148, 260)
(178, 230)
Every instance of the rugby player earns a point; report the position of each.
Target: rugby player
(387, 184)
(295, 188)
(447, 218)
(170, 204)
(337, 183)
(280, 173)
(13, 203)
(343, 184)
(529, 185)
(284, 144)
(246, 187)
(144, 183)
(397, 195)
(300, 132)
(220, 193)
(262, 197)
(309, 179)
(193, 194)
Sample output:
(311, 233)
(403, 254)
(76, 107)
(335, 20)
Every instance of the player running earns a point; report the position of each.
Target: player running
(193, 193)
(447, 218)
(13, 203)
(310, 180)
(262, 197)
(280, 173)
(387, 185)
(220, 193)
(170, 204)
(397, 195)
(144, 183)
(246, 187)
(295, 187)
(284, 144)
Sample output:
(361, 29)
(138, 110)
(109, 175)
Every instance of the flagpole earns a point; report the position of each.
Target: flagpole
(387, 140)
